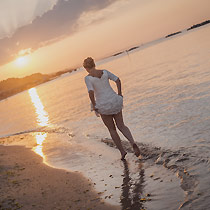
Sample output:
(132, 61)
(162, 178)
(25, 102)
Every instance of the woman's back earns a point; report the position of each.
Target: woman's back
(101, 86)
(107, 100)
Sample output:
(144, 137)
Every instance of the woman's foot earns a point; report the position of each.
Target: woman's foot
(123, 155)
(136, 150)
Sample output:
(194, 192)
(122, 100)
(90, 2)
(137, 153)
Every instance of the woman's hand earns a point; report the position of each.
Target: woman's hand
(97, 114)
(96, 111)
(118, 82)
(94, 108)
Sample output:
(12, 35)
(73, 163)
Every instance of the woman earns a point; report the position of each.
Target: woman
(106, 102)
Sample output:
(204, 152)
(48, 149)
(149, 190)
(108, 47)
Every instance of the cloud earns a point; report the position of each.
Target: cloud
(53, 25)
(15, 14)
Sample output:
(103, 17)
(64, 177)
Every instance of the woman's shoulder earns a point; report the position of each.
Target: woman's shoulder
(87, 77)
(102, 70)
(105, 71)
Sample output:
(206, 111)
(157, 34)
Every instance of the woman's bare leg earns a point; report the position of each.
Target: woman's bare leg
(125, 131)
(123, 128)
(109, 123)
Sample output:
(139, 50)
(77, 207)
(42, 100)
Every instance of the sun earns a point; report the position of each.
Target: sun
(21, 61)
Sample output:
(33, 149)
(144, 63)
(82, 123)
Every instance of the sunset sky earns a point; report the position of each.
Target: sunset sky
(50, 35)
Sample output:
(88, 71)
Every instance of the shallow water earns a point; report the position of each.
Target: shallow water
(166, 88)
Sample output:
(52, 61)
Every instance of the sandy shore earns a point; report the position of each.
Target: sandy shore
(27, 183)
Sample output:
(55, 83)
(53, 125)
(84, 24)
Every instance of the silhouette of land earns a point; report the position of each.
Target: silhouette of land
(133, 48)
(199, 25)
(117, 53)
(178, 32)
(12, 86)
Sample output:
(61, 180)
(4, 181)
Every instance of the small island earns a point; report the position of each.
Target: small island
(133, 48)
(117, 53)
(199, 25)
(173, 34)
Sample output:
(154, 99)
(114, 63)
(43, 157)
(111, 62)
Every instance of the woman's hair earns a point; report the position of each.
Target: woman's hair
(89, 63)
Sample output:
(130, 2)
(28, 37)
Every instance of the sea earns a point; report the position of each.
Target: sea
(166, 91)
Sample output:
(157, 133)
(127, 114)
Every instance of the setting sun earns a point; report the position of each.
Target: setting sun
(21, 61)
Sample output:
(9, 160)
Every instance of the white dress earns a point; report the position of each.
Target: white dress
(108, 102)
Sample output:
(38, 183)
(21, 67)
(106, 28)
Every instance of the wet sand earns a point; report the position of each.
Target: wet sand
(27, 183)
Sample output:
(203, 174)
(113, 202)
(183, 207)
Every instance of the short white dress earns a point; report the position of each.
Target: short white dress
(108, 102)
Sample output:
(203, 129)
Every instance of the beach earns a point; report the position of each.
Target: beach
(57, 151)
(27, 183)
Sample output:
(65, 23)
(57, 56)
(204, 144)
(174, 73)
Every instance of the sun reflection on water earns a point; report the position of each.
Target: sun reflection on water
(40, 137)
(42, 115)
(42, 120)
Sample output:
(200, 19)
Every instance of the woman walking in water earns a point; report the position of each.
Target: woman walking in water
(106, 102)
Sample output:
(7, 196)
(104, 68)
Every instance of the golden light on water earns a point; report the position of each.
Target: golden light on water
(40, 137)
(42, 119)
(42, 115)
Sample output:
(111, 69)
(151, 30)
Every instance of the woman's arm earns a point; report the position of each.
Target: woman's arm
(92, 99)
(116, 80)
(118, 83)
